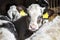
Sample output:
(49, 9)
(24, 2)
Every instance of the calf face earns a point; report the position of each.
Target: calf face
(35, 11)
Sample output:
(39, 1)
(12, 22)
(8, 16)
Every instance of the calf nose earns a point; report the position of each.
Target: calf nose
(33, 27)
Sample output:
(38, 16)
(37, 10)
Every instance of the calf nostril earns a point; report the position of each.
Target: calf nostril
(32, 26)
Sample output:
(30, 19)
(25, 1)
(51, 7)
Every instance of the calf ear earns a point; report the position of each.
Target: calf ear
(43, 3)
(22, 13)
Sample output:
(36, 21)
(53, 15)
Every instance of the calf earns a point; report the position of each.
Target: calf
(7, 29)
(21, 23)
(35, 12)
(16, 12)
(21, 26)
(26, 25)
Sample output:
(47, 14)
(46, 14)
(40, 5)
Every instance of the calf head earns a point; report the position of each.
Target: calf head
(35, 11)
(16, 12)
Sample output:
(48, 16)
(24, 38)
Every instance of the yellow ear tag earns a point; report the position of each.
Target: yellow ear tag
(22, 13)
(45, 15)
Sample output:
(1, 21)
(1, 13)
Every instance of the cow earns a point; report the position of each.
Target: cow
(7, 29)
(35, 11)
(22, 25)
(27, 25)
(16, 12)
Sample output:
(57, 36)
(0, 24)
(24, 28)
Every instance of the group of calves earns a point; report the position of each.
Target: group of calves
(21, 22)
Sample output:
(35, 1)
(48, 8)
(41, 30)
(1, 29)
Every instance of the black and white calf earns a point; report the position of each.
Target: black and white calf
(7, 29)
(14, 12)
(21, 26)
(26, 25)
(21, 23)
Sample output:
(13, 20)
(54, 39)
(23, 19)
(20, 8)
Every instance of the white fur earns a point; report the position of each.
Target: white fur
(3, 21)
(13, 11)
(49, 31)
(34, 11)
(5, 34)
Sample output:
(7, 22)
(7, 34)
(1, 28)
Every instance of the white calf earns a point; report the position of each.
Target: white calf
(35, 11)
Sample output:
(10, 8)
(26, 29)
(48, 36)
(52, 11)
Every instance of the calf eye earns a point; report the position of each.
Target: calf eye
(29, 19)
(39, 19)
